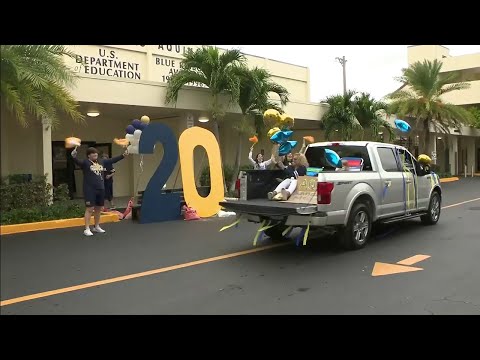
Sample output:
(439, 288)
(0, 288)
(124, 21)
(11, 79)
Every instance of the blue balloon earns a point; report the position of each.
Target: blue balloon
(142, 126)
(281, 137)
(401, 125)
(130, 129)
(136, 123)
(332, 158)
(286, 148)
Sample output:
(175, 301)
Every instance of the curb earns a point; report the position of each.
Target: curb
(53, 224)
(450, 179)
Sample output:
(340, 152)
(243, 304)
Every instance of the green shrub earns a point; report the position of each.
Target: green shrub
(17, 193)
(227, 172)
(56, 211)
(444, 174)
(61, 193)
(25, 200)
(205, 176)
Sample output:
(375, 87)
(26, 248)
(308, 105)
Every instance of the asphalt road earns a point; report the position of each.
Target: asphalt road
(319, 278)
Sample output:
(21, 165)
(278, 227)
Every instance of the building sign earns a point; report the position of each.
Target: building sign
(167, 60)
(131, 61)
(105, 62)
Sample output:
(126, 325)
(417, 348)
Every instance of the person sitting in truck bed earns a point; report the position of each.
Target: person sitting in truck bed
(286, 188)
(258, 163)
(345, 166)
(287, 160)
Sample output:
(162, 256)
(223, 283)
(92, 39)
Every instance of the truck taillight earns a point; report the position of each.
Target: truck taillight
(324, 192)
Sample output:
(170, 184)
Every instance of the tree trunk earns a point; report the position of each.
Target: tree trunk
(216, 132)
(237, 165)
(426, 134)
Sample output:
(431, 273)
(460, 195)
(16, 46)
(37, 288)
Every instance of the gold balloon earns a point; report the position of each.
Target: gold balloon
(272, 132)
(424, 159)
(145, 119)
(271, 117)
(287, 121)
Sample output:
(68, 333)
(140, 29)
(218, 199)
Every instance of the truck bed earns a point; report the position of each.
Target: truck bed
(267, 207)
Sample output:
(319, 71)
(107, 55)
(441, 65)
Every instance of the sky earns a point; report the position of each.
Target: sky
(370, 68)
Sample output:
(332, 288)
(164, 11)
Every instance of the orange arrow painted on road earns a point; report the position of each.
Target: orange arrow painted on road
(380, 269)
(413, 260)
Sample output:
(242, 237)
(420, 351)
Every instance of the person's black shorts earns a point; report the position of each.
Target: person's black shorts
(108, 190)
(94, 197)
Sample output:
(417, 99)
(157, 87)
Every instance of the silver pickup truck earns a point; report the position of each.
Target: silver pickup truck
(388, 185)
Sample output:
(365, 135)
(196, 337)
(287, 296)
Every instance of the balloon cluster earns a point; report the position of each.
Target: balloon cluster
(133, 134)
(280, 130)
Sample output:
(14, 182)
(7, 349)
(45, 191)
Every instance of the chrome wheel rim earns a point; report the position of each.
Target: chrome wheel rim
(360, 227)
(435, 212)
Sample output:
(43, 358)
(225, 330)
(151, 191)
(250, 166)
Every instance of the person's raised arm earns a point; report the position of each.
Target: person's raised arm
(280, 163)
(74, 154)
(250, 155)
(304, 147)
(116, 158)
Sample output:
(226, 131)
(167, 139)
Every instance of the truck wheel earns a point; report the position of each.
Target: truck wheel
(434, 209)
(275, 233)
(359, 226)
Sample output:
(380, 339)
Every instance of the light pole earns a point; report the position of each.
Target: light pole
(343, 62)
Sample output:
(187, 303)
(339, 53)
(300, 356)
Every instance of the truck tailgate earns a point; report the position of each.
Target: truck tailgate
(266, 207)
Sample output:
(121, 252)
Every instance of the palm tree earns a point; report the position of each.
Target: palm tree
(216, 71)
(421, 99)
(256, 87)
(368, 112)
(475, 111)
(34, 80)
(341, 116)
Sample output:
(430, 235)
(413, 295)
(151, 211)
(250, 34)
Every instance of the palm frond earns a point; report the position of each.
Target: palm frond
(35, 80)
(453, 87)
(180, 79)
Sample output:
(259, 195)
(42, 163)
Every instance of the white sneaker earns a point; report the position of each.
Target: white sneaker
(98, 229)
(285, 194)
(87, 232)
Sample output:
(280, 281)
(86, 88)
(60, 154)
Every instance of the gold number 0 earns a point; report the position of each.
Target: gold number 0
(189, 139)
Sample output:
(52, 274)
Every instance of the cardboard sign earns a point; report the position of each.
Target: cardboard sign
(306, 192)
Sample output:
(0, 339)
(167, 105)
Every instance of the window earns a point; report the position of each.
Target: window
(388, 160)
(408, 160)
(316, 155)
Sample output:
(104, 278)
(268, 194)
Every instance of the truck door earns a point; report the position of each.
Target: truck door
(391, 196)
(412, 182)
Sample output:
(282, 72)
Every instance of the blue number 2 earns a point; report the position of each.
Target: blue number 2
(155, 205)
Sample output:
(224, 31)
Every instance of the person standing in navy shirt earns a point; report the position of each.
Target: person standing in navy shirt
(108, 173)
(93, 185)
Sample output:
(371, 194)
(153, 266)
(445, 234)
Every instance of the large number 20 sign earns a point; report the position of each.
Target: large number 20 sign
(161, 207)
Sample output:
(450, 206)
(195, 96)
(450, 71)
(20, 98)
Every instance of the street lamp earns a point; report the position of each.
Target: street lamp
(343, 62)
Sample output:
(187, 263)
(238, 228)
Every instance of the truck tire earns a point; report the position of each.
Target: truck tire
(434, 210)
(275, 233)
(356, 234)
